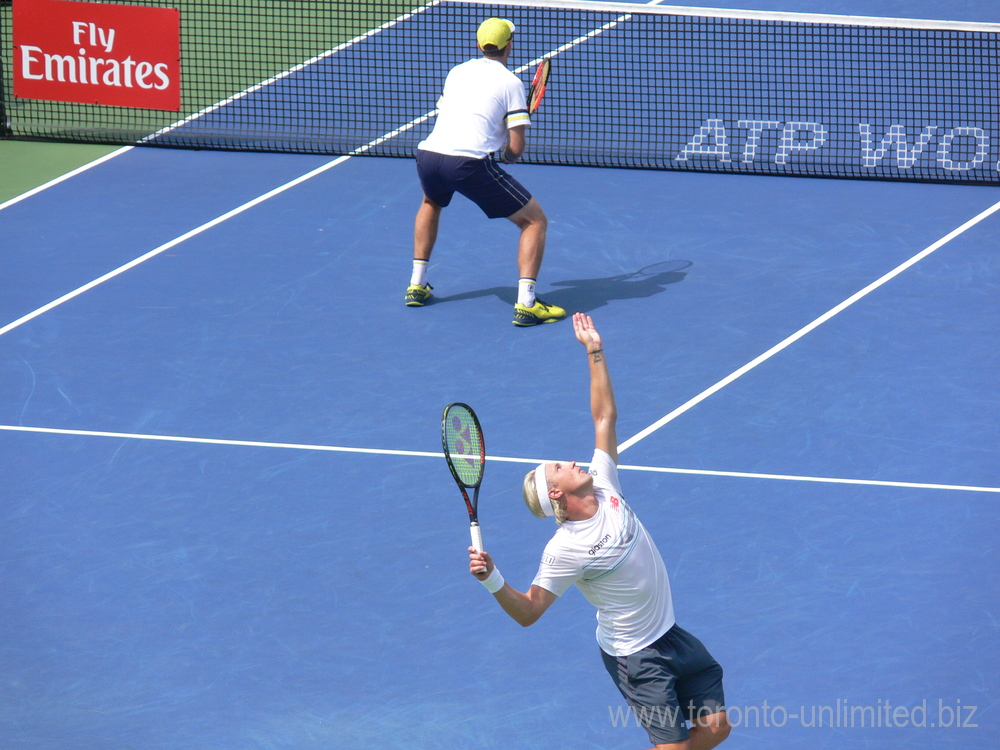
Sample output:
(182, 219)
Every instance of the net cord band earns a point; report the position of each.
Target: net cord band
(756, 15)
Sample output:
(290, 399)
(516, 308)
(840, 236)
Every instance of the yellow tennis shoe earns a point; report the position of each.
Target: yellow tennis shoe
(417, 295)
(537, 313)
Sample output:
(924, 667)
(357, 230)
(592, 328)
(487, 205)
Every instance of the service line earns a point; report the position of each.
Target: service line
(501, 459)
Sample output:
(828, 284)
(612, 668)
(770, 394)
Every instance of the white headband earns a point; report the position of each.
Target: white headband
(542, 488)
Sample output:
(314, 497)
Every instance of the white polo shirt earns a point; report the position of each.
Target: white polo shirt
(481, 100)
(613, 561)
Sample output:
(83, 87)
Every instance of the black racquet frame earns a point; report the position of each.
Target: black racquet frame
(463, 486)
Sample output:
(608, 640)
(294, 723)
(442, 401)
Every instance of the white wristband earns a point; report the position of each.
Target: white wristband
(494, 581)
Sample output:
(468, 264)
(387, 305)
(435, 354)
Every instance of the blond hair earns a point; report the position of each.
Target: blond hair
(530, 495)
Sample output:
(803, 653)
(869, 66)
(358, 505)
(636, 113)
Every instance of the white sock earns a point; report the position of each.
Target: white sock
(419, 273)
(526, 292)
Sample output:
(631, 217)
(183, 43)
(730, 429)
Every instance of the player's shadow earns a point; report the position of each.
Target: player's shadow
(587, 295)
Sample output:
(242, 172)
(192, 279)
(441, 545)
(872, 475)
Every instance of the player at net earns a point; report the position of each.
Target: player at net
(482, 110)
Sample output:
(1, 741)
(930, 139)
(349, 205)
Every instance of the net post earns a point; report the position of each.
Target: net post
(5, 129)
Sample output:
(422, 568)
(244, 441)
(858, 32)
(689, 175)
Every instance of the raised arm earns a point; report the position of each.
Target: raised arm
(602, 396)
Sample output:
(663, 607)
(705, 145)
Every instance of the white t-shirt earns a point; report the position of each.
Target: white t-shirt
(481, 100)
(613, 561)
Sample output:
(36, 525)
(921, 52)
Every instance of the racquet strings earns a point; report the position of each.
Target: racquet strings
(465, 445)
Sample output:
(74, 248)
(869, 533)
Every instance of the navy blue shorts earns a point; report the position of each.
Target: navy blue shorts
(670, 682)
(480, 180)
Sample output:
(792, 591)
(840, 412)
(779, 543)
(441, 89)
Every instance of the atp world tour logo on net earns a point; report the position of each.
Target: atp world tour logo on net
(841, 714)
(960, 149)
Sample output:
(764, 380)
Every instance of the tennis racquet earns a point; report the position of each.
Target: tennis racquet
(465, 452)
(538, 84)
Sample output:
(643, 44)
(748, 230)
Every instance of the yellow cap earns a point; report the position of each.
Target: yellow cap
(495, 31)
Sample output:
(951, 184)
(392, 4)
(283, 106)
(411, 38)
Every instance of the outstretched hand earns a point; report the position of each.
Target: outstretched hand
(586, 334)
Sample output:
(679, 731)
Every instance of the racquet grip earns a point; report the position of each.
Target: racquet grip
(477, 539)
(477, 536)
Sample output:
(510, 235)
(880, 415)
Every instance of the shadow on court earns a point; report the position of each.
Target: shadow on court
(586, 295)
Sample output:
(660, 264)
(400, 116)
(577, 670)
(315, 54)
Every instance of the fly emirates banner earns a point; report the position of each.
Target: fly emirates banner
(95, 53)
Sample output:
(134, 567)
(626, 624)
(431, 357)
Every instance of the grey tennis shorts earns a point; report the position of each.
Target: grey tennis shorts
(480, 180)
(670, 682)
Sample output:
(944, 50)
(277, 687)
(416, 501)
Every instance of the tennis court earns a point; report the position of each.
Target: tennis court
(227, 523)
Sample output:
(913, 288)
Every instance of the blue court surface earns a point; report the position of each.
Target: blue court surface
(226, 522)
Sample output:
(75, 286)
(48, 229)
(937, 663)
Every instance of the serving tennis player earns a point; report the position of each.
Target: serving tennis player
(662, 671)
(481, 111)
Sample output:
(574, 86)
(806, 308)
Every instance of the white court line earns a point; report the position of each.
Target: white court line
(502, 459)
(166, 246)
(825, 480)
(808, 328)
(220, 104)
(61, 178)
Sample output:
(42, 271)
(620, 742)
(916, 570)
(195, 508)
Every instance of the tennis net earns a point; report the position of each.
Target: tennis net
(639, 86)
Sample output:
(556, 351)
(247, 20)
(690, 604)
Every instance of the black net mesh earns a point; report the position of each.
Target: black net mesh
(631, 86)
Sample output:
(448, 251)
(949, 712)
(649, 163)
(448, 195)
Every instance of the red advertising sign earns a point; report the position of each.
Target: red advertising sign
(93, 53)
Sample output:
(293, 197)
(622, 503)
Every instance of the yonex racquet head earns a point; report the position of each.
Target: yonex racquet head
(465, 452)
(464, 449)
